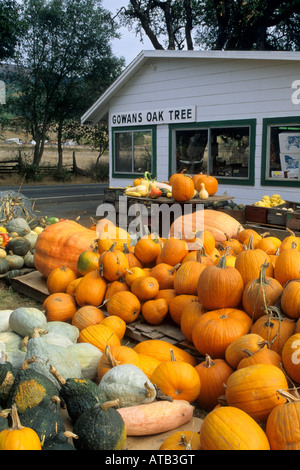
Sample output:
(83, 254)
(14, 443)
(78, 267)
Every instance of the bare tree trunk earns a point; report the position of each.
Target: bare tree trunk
(59, 146)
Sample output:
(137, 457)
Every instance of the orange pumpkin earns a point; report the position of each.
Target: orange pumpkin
(115, 286)
(274, 328)
(189, 316)
(147, 250)
(167, 294)
(210, 182)
(261, 356)
(71, 289)
(88, 315)
(116, 324)
(182, 440)
(112, 235)
(187, 276)
(213, 375)
(183, 188)
(145, 288)
(99, 336)
(59, 279)
(177, 379)
(254, 389)
(132, 273)
(91, 289)
(19, 437)
(161, 350)
(164, 274)
(124, 304)
(113, 264)
(287, 266)
(132, 259)
(217, 329)
(177, 305)
(290, 299)
(61, 244)
(249, 262)
(260, 293)
(173, 251)
(59, 307)
(155, 311)
(235, 351)
(269, 244)
(220, 286)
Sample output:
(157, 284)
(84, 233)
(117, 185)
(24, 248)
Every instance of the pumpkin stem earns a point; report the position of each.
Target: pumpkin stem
(69, 434)
(3, 357)
(109, 404)
(172, 355)
(16, 423)
(58, 377)
(289, 397)
(222, 262)
(110, 358)
(208, 361)
(171, 271)
(150, 392)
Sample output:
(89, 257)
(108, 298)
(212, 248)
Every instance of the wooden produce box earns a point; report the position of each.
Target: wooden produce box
(112, 194)
(256, 214)
(238, 215)
(278, 215)
(293, 220)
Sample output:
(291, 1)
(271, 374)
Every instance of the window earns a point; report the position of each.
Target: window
(224, 150)
(281, 152)
(133, 151)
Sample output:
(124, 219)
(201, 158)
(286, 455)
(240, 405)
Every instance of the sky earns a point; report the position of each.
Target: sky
(129, 46)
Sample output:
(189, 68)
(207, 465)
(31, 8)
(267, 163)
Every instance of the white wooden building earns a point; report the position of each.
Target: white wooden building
(235, 115)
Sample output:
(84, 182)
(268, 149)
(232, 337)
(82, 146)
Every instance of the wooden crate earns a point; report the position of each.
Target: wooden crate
(277, 215)
(256, 214)
(293, 220)
(112, 194)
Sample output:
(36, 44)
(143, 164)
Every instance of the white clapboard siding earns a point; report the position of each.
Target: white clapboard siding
(222, 90)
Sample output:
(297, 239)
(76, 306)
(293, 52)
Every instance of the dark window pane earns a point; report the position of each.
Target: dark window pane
(142, 151)
(230, 152)
(123, 152)
(191, 150)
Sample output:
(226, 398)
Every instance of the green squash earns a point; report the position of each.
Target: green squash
(18, 246)
(15, 261)
(18, 225)
(4, 266)
(45, 419)
(79, 395)
(59, 442)
(100, 428)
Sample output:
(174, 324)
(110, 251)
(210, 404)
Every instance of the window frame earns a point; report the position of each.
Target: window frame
(251, 123)
(266, 125)
(132, 129)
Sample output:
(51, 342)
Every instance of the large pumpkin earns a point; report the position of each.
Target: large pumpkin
(220, 224)
(61, 244)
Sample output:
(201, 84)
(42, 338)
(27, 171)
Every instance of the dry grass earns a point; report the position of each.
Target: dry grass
(10, 299)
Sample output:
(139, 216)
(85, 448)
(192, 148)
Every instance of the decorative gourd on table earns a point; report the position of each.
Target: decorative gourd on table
(183, 188)
(19, 437)
(213, 375)
(217, 329)
(229, 428)
(100, 428)
(178, 380)
(253, 389)
(210, 182)
(61, 244)
(220, 286)
(217, 222)
(129, 384)
(203, 193)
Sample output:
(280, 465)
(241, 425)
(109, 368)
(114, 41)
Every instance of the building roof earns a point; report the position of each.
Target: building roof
(99, 109)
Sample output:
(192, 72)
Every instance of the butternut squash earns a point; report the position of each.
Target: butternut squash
(156, 417)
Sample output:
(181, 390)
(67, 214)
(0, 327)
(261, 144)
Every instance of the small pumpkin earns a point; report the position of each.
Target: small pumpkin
(19, 437)
(161, 350)
(114, 356)
(178, 380)
(99, 335)
(210, 182)
(173, 251)
(147, 250)
(155, 311)
(59, 307)
(116, 324)
(91, 289)
(59, 279)
(145, 288)
(182, 440)
(87, 315)
(88, 261)
(124, 304)
(290, 299)
(183, 188)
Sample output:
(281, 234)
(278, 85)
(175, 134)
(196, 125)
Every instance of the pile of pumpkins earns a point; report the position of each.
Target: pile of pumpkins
(17, 242)
(236, 300)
